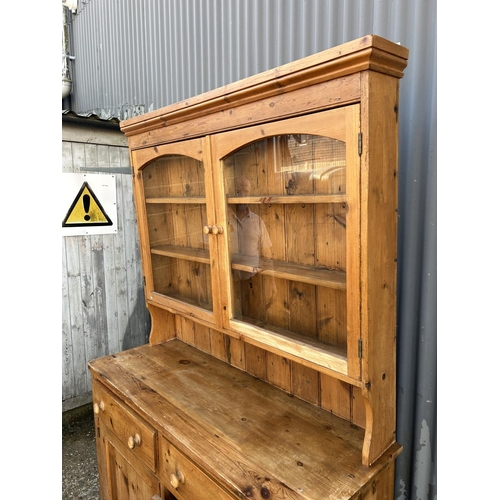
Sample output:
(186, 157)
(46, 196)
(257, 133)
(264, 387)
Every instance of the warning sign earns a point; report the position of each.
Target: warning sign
(86, 210)
(89, 201)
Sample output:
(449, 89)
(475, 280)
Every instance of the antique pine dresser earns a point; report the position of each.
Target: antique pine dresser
(267, 217)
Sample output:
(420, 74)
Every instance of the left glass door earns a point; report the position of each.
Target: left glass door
(173, 206)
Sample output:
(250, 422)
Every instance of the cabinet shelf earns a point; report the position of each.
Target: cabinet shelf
(177, 200)
(178, 252)
(330, 278)
(301, 347)
(286, 199)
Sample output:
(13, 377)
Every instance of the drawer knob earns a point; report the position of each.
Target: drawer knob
(207, 229)
(99, 407)
(134, 441)
(176, 479)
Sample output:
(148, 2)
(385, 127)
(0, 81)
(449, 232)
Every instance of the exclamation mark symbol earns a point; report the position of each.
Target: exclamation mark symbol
(86, 206)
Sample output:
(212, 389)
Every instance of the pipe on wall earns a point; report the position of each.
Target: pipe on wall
(66, 76)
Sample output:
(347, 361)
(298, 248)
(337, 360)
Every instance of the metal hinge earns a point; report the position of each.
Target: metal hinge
(360, 143)
(360, 348)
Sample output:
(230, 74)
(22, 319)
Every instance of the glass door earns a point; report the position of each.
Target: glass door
(290, 191)
(174, 208)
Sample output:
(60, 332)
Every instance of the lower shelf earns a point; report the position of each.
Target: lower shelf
(244, 434)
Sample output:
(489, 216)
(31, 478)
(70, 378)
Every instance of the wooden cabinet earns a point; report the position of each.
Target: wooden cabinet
(267, 215)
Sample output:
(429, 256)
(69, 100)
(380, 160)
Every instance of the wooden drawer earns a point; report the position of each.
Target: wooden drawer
(126, 425)
(184, 479)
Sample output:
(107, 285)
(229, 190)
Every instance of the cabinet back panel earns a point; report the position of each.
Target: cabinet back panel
(308, 384)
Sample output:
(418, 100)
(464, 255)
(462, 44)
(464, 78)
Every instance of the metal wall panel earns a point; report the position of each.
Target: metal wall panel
(136, 56)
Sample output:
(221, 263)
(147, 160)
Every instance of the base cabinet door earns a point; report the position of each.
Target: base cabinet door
(122, 476)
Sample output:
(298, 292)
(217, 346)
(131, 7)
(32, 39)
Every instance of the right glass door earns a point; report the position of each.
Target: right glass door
(291, 191)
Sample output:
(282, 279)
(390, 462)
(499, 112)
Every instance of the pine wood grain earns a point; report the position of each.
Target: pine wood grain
(240, 430)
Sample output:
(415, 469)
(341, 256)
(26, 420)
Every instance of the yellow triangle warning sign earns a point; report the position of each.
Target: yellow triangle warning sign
(86, 210)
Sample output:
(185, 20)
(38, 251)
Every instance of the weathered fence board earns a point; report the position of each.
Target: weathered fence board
(103, 308)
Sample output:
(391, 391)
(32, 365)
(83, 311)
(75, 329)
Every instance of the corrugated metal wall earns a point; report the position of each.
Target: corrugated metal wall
(135, 56)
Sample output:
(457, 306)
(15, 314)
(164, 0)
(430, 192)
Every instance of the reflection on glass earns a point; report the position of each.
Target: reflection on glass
(287, 210)
(250, 244)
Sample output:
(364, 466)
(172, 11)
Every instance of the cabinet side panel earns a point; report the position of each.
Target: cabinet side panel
(378, 257)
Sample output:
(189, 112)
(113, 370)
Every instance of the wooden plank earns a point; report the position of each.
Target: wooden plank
(67, 157)
(67, 345)
(202, 337)
(88, 317)
(218, 345)
(235, 352)
(305, 383)
(100, 331)
(124, 248)
(332, 316)
(186, 331)
(256, 361)
(358, 413)
(335, 396)
(278, 372)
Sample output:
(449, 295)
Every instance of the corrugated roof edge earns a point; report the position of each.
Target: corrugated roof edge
(69, 116)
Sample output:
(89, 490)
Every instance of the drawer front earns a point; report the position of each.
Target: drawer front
(184, 479)
(126, 425)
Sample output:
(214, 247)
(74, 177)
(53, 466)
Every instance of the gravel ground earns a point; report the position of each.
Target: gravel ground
(79, 460)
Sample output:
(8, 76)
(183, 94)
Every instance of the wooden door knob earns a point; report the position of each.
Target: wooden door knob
(99, 407)
(134, 441)
(213, 229)
(176, 479)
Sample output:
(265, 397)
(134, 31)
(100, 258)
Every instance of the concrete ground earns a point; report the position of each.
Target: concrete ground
(79, 459)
